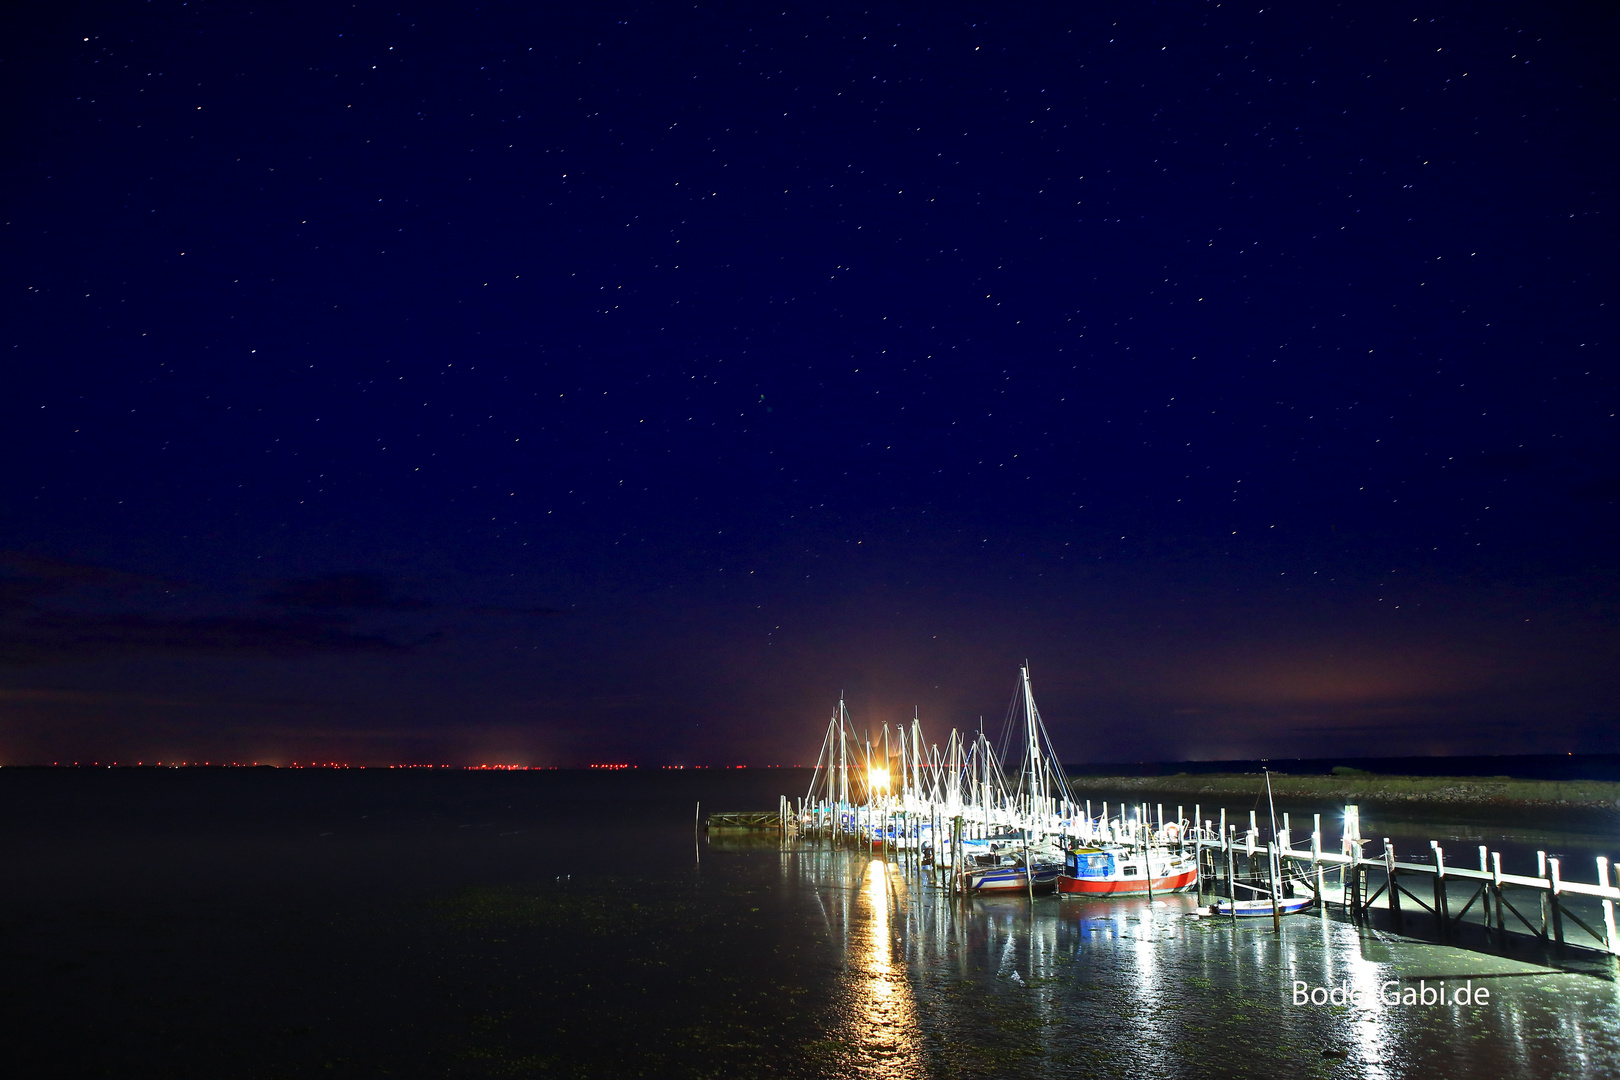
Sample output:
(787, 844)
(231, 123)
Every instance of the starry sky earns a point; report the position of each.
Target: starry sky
(558, 384)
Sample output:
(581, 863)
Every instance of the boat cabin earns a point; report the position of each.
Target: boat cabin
(1091, 862)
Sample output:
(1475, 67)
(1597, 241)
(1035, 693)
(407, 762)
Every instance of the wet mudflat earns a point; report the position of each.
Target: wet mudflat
(1131, 987)
(472, 925)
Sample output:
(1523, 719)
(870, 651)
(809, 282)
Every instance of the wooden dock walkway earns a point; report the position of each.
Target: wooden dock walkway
(746, 819)
(1547, 906)
(1365, 879)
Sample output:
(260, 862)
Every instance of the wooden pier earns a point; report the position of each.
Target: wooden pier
(935, 808)
(1239, 865)
(753, 820)
(1446, 891)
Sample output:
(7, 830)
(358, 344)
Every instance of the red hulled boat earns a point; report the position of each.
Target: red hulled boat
(1119, 872)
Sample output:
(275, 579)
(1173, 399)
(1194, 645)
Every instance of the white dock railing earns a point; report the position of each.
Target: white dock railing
(1489, 884)
(903, 825)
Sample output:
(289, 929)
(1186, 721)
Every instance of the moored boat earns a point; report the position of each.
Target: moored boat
(1121, 872)
(1009, 875)
(1261, 908)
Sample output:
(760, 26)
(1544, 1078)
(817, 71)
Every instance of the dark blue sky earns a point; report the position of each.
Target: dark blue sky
(527, 383)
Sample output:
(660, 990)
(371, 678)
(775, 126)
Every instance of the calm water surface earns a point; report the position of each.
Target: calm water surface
(282, 924)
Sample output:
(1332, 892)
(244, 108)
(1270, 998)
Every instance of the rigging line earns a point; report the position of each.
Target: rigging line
(1008, 721)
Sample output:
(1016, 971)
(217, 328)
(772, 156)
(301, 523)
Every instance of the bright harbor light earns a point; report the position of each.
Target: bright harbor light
(878, 776)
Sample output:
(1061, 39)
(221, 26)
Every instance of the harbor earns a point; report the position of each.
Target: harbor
(519, 923)
(1323, 945)
(966, 818)
(996, 986)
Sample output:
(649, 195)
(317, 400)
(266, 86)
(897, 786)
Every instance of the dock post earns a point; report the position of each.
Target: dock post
(1485, 890)
(1147, 865)
(1274, 865)
(1029, 875)
(1390, 885)
(955, 885)
(1541, 872)
(1351, 873)
(1611, 940)
(1442, 911)
(1316, 861)
(1231, 871)
(934, 838)
(1496, 887)
(1557, 913)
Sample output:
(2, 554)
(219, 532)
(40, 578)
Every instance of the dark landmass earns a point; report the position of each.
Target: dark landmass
(1349, 785)
(1495, 766)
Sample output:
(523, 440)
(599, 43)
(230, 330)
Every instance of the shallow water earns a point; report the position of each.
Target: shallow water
(1130, 987)
(508, 925)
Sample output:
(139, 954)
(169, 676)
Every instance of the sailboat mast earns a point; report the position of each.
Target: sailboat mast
(888, 780)
(1276, 862)
(1037, 788)
(843, 758)
(866, 785)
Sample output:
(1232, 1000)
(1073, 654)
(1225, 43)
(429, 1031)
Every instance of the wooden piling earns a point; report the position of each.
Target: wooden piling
(1557, 912)
(1541, 872)
(1274, 868)
(1610, 938)
(1390, 884)
(1029, 876)
(1496, 891)
(1442, 911)
(1353, 872)
(1231, 874)
(956, 856)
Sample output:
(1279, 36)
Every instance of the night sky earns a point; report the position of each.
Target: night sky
(556, 384)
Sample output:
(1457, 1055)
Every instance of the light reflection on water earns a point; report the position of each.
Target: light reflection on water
(866, 909)
(934, 986)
